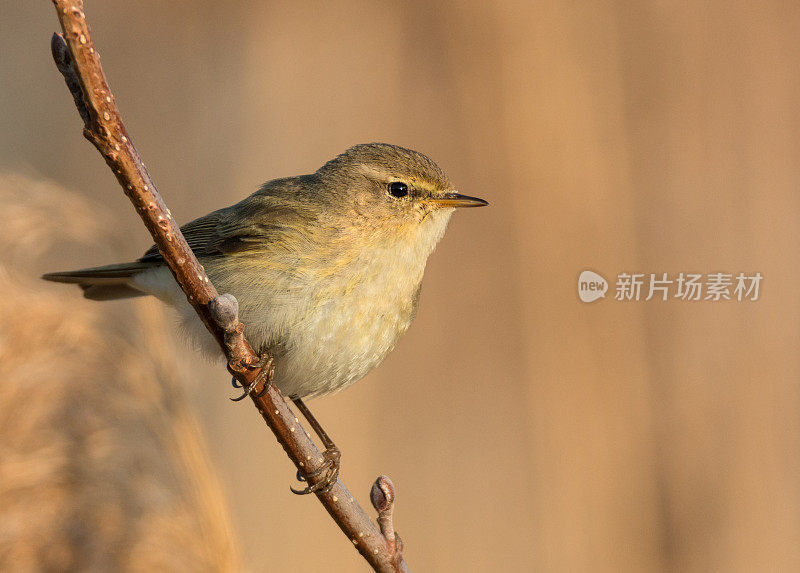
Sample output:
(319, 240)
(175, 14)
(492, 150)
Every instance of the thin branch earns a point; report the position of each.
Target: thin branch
(79, 62)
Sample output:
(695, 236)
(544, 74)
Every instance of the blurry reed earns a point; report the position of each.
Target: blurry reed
(102, 464)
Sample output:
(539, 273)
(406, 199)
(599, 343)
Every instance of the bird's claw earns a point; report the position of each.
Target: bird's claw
(249, 389)
(267, 371)
(330, 468)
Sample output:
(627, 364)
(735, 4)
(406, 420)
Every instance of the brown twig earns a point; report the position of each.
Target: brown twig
(78, 60)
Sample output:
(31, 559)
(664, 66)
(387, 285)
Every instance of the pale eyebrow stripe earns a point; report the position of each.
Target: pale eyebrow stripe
(420, 185)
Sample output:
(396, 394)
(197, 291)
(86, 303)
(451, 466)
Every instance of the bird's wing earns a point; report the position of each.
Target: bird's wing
(201, 234)
(248, 226)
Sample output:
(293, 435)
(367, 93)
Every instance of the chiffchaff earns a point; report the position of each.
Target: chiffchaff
(326, 267)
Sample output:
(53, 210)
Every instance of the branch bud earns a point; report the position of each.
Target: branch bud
(382, 494)
(225, 311)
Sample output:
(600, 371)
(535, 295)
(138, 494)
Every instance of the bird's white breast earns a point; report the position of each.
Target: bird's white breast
(352, 325)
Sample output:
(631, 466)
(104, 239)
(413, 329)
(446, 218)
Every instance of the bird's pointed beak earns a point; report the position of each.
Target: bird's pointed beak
(457, 200)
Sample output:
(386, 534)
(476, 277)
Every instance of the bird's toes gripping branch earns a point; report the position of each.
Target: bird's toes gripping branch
(329, 470)
(331, 457)
(266, 374)
(225, 312)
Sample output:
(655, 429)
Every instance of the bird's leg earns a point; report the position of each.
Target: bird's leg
(332, 456)
(266, 374)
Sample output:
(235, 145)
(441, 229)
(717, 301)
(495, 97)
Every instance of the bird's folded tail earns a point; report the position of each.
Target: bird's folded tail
(104, 283)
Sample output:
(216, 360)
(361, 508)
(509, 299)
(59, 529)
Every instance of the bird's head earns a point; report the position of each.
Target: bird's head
(393, 191)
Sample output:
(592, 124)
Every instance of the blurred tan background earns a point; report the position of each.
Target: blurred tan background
(528, 431)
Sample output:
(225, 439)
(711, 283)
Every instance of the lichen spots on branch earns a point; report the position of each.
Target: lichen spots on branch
(82, 39)
(106, 116)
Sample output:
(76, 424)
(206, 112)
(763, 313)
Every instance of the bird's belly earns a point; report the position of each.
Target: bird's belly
(324, 337)
(340, 340)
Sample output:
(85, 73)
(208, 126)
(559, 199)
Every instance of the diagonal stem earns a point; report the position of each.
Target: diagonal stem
(78, 60)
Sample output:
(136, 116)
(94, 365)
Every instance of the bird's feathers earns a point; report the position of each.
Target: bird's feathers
(108, 282)
(251, 225)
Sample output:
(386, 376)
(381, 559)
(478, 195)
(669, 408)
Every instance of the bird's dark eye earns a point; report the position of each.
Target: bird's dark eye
(398, 189)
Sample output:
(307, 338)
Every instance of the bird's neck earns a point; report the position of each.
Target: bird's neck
(390, 261)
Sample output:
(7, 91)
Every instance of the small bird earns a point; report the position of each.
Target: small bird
(327, 267)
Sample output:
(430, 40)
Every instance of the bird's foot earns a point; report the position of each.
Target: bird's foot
(267, 366)
(329, 469)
